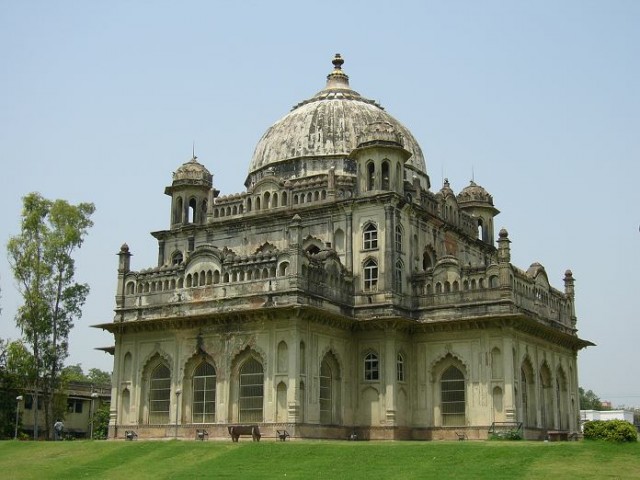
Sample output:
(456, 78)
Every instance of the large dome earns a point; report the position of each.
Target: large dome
(329, 124)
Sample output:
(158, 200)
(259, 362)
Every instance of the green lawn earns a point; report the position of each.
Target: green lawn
(317, 459)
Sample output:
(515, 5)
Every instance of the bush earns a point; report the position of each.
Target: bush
(610, 430)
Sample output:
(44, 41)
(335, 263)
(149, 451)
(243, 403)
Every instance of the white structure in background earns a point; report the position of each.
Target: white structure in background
(590, 415)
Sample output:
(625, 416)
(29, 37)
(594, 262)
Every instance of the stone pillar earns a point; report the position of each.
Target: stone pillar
(349, 240)
(570, 292)
(390, 377)
(389, 259)
(331, 183)
(293, 400)
(504, 259)
(124, 262)
(160, 253)
(509, 400)
(295, 248)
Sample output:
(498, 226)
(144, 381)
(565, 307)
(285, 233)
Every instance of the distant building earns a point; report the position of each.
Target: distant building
(590, 415)
(78, 410)
(339, 293)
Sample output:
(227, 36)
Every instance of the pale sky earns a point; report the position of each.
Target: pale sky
(539, 100)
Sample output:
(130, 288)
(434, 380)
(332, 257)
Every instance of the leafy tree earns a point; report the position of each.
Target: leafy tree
(43, 266)
(589, 400)
(99, 377)
(73, 373)
(101, 422)
(16, 373)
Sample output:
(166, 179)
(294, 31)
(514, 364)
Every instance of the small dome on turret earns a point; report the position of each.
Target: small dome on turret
(474, 194)
(192, 173)
(446, 190)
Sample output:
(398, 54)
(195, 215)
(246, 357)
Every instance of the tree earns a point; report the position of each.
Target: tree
(43, 266)
(101, 422)
(73, 373)
(16, 373)
(99, 377)
(589, 400)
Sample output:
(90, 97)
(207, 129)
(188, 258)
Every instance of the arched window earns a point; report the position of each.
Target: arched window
(338, 240)
(204, 394)
(452, 397)
(496, 363)
(159, 395)
(385, 175)
(283, 199)
(282, 269)
(399, 274)
(283, 357)
(371, 367)
(371, 176)
(326, 380)
(267, 200)
(192, 211)
(493, 281)
(427, 261)
(400, 368)
(398, 238)
(370, 275)
(274, 201)
(248, 204)
(251, 391)
(370, 237)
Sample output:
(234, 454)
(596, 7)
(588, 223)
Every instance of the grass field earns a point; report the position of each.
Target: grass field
(318, 460)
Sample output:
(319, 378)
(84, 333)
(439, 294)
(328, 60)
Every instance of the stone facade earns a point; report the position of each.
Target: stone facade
(338, 293)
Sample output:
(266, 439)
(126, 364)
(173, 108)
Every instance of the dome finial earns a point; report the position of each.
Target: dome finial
(337, 61)
(337, 78)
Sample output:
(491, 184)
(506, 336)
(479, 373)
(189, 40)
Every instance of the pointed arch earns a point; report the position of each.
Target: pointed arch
(283, 357)
(203, 392)
(453, 396)
(329, 392)
(546, 396)
(527, 393)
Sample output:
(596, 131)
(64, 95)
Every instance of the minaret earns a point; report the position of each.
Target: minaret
(191, 193)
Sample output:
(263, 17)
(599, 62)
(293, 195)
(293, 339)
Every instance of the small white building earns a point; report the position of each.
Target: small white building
(590, 415)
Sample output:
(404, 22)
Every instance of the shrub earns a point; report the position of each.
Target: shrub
(610, 430)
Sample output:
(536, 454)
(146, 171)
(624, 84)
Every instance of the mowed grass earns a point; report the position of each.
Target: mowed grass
(317, 460)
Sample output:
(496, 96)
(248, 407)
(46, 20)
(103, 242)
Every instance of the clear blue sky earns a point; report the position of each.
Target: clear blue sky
(101, 101)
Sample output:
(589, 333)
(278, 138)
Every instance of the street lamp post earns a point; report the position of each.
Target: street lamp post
(178, 392)
(94, 395)
(18, 400)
